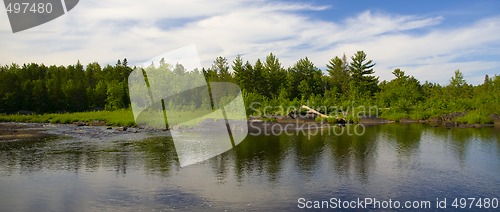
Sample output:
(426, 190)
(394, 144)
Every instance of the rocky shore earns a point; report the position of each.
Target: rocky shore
(11, 131)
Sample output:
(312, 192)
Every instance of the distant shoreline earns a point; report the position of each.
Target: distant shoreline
(15, 131)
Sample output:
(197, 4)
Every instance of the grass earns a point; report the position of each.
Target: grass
(393, 115)
(123, 117)
(420, 115)
(474, 117)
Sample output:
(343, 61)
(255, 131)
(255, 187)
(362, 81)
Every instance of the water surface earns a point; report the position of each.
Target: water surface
(393, 161)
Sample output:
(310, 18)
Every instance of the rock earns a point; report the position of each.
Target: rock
(407, 121)
(121, 128)
(98, 123)
(450, 124)
(132, 130)
(80, 123)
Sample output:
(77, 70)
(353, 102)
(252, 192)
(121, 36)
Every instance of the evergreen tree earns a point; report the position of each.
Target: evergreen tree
(242, 75)
(275, 75)
(304, 79)
(179, 69)
(361, 72)
(339, 74)
(221, 67)
(259, 82)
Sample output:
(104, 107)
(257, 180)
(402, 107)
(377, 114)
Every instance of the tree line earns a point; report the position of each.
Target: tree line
(345, 82)
(42, 89)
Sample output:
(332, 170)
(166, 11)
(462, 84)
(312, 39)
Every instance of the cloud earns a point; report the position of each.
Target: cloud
(105, 31)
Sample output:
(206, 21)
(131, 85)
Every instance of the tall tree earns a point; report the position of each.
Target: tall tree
(338, 69)
(459, 93)
(179, 69)
(275, 75)
(258, 78)
(221, 67)
(242, 73)
(304, 79)
(458, 79)
(361, 72)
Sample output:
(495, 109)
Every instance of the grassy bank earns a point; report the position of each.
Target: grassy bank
(475, 117)
(469, 117)
(122, 117)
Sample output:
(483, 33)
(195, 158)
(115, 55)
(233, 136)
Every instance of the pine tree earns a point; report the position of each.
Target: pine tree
(339, 74)
(221, 67)
(361, 72)
(304, 79)
(275, 75)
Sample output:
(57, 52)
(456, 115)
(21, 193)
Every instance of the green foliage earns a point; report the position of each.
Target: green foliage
(402, 93)
(275, 76)
(394, 115)
(43, 89)
(339, 79)
(122, 117)
(475, 117)
(267, 88)
(361, 72)
(304, 79)
(221, 67)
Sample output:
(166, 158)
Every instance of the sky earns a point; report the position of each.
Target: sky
(426, 39)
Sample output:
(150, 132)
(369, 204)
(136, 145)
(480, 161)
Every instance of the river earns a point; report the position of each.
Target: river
(394, 162)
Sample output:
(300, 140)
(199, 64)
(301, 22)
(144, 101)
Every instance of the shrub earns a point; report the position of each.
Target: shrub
(474, 117)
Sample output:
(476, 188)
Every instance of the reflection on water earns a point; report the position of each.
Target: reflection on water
(405, 162)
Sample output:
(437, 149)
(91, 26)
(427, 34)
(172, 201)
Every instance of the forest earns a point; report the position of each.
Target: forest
(36, 88)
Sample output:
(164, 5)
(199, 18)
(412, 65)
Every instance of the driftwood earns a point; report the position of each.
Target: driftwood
(340, 121)
(310, 110)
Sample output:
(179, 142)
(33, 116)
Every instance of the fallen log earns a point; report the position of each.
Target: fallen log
(310, 110)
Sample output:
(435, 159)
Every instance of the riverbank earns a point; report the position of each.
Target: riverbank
(447, 121)
(14, 131)
(123, 118)
(97, 124)
(21, 131)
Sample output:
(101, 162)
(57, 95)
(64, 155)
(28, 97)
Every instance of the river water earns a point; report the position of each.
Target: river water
(396, 162)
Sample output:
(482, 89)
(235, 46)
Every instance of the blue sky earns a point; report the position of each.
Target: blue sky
(427, 39)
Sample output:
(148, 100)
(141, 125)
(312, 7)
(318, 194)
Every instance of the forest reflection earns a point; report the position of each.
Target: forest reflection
(271, 156)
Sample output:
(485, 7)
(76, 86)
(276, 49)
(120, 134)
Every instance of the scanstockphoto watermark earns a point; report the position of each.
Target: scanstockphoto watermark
(306, 121)
(364, 203)
(474, 203)
(298, 128)
(204, 120)
(336, 111)
(25, 14)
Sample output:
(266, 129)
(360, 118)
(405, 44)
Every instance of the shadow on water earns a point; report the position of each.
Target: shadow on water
(159, 154)
(262, 155)
(405, 140)
(460, 139)
(352, 153)
(156, 155)
(24, 156)
(258, 155)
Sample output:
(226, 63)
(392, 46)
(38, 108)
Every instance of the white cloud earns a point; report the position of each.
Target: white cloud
(105, 31)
